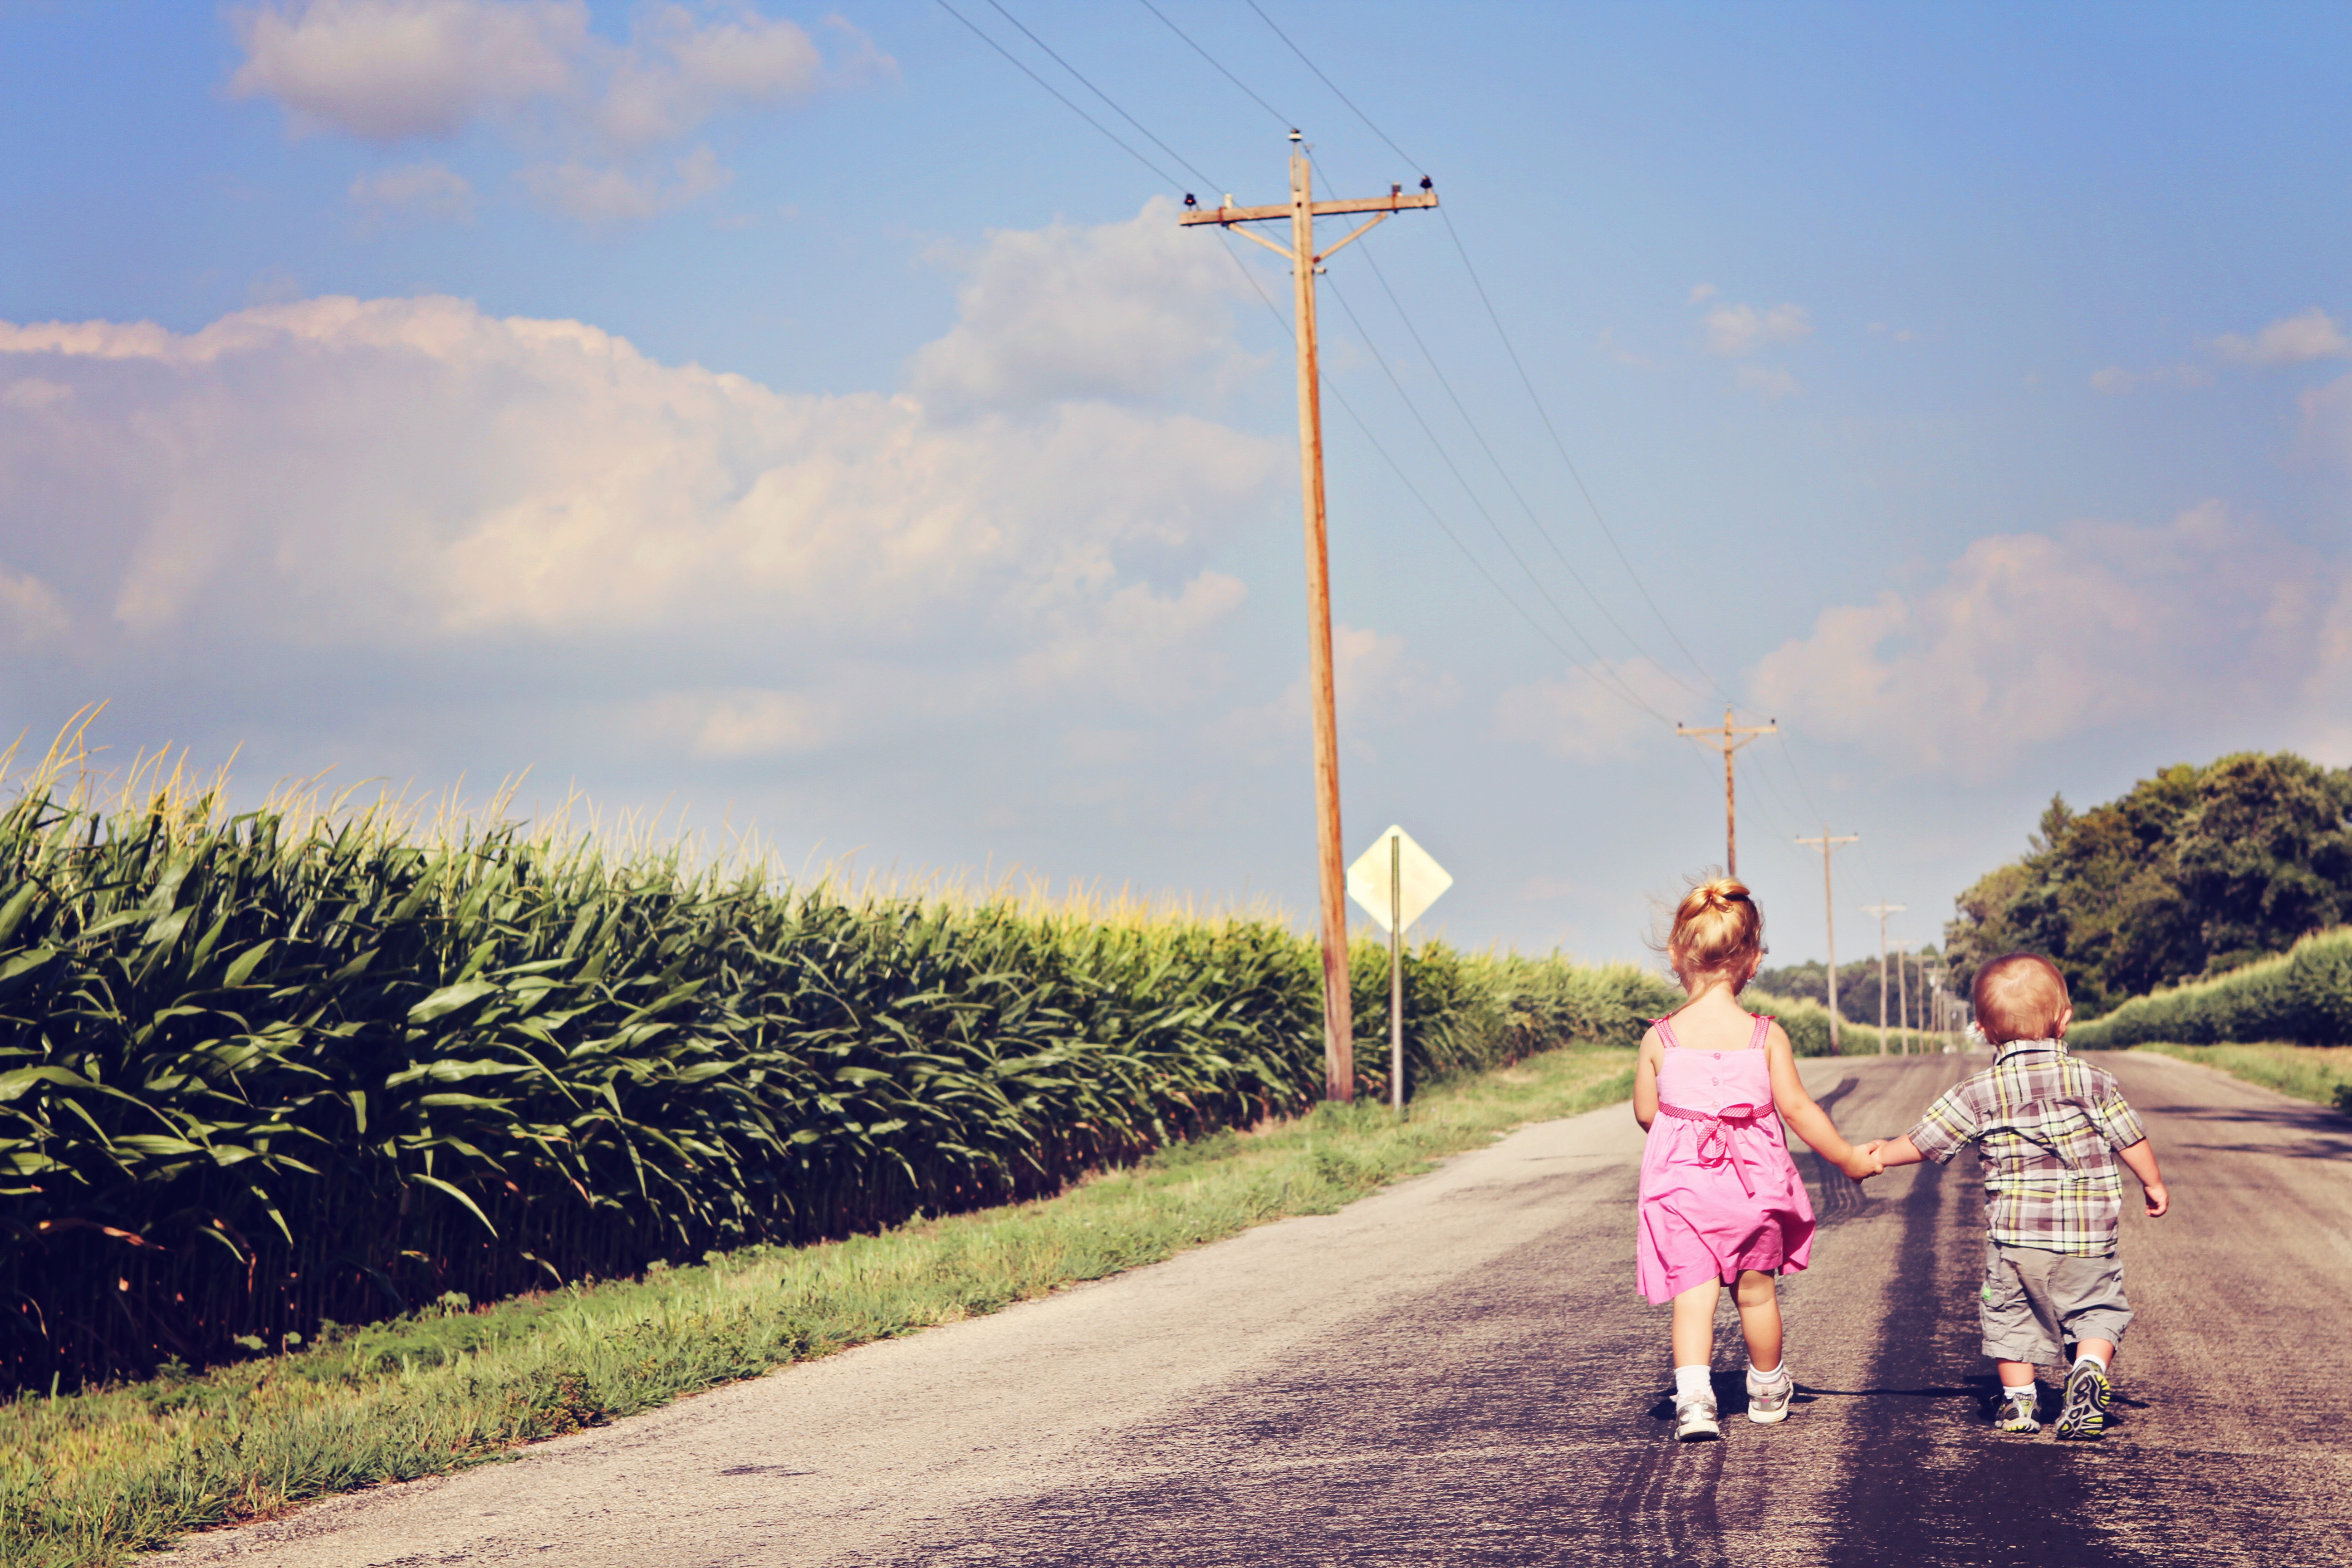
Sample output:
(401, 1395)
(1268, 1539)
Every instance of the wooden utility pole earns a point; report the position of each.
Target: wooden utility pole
(1829, 909)
(1722, 741)
(1882, 911)
(1903, 993)
(1303, 209)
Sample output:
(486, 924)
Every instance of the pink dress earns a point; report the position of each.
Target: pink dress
(1719, 1193)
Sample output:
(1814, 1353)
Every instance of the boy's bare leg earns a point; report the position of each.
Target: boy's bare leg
(1693, 1335)
(2015, 1374)
(1760, 1318)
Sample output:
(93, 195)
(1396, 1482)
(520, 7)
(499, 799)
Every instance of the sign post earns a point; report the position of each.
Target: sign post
(1396, 881)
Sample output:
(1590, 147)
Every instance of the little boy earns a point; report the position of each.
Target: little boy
(2049, 1129)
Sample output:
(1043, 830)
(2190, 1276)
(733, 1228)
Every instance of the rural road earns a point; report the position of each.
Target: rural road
(1458, 1370)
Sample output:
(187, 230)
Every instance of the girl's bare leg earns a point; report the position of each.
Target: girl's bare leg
(1695, 1324)
(1760, 1318)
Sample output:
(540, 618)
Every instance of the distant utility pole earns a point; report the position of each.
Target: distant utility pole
(1721, 740)
(1829, 907)
(1303, 209)
(1903, 994)
(1882, 911)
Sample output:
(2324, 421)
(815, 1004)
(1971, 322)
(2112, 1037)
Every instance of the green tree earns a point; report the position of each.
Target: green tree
(2193, 872)
(1857, 987)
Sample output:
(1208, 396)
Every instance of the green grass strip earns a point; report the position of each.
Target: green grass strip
(2321, 1074)
(90, 1479)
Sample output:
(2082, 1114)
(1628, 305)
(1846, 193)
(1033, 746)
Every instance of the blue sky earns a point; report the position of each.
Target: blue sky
(802, 420)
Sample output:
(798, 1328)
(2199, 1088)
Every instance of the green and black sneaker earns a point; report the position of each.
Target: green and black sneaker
(2084, 1417)
(2016, 1413)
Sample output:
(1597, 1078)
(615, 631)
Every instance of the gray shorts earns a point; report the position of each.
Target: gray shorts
(2035, 1302)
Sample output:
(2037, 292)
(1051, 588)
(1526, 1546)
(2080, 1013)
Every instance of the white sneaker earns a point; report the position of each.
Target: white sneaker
(1767, 1398)
(1694, 1418)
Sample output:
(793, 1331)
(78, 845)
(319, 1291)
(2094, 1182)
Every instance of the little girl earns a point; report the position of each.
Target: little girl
(1721, 1201)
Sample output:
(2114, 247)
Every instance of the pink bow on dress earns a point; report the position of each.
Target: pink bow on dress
(1715, 1145)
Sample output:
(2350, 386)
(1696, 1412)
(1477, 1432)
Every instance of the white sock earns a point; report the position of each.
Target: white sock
(2019, 1391)
(1690, 1380)
(1775, 1375)
(2093, 1357)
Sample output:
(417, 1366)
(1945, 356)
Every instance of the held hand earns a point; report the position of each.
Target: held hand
(1862, 1164)
(2158, 1200)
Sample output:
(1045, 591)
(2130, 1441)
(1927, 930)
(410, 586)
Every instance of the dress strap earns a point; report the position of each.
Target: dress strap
(1763, 1027)
(1667, 1029)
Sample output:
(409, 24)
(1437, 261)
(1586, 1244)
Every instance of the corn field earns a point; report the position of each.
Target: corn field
(2302, 997)
(265, 1073)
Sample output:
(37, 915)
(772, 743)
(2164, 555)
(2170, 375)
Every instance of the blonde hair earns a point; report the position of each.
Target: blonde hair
(2018, 996)
(1717, 927)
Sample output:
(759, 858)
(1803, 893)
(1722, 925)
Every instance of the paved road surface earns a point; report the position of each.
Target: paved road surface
(1457, 1371)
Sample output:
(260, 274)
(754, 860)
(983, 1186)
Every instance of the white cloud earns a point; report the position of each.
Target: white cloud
(603, 196)
(390, 71)
(2327, 421)
(1586, 715)
(756, 723)
(1736, 329)
(1765, 381)
(2291, 340)
(426, 190)
(1376, 686)
(413, 477)
(2326, 691)
(1130, 645)
(2029, 638)
(1130, 311)
(2115, 380)
(30, 610)
(1701, 291)
(679, 70)
(1086, 746)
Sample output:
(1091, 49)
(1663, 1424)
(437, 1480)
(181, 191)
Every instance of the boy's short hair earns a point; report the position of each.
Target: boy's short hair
(2018, 996)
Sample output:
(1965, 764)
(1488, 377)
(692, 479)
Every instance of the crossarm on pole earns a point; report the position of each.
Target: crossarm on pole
(1395, 202)
(1357, 235)
(1282, 250)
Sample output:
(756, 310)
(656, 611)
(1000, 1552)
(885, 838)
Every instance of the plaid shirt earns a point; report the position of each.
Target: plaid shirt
(2046, 1126)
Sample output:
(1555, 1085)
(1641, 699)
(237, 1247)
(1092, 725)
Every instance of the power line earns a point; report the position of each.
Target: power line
(1342, 97)
(1573, 471)
(1619, 689)
(1525, 380)
(1869, 863)
(1254, 97)
(1165, 177)
(1098, 92)
(1510, 484)
(1756, 766)
(1789, 763)
(1414, 490)
(1337, 395)
(1502, 537)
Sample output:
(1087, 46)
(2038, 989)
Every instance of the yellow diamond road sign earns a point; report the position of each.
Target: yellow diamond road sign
(1419, 879)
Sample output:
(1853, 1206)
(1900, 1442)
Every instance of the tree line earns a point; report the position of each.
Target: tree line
(2195, 871)
(1858, 986)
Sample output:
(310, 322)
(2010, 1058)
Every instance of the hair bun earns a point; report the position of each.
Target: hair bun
(1717, 927)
